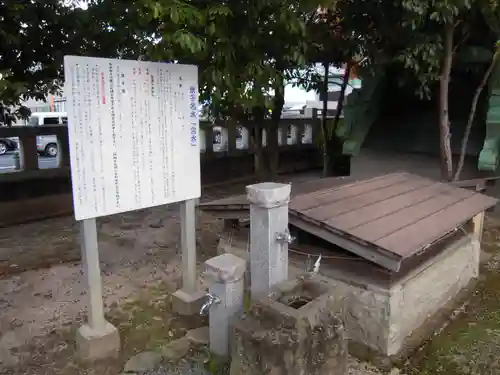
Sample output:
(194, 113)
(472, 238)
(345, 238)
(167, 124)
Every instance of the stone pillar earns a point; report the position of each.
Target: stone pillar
(28, 153)
(188, 299)
(98, 338)
(63, 148)
(269, 236)
(226, 274)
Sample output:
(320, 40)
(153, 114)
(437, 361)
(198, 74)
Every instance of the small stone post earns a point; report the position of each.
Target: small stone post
(63, 148)
(269, 236)
(17, 161)
(27, 152)
(226, 274)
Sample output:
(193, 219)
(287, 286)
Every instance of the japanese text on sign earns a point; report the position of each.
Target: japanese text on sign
(193, 115)
(132, 127)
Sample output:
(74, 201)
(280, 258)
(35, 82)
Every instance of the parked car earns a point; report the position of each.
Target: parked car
(47, 144)
(7, 144)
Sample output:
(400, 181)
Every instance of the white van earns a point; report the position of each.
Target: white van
(48, 118)
(47, 144)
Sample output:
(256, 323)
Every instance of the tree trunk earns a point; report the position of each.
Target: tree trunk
(472, 115)
(324, 124)
(272, 128)
(340, 103)
(334, 162)
(444, 119)
(259, 159)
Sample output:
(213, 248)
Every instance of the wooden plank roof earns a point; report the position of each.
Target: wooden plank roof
(385, 219)
(298, 188)
(395, 215)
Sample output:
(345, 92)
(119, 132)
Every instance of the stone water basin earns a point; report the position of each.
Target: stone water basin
(297, 329)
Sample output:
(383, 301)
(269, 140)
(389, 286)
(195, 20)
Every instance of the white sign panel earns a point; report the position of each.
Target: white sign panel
(133, 134)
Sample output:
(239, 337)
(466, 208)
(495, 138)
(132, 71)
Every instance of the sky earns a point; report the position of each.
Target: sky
(297, 95)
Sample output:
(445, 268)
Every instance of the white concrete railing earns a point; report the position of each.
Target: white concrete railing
(219, 138)
(26, 137)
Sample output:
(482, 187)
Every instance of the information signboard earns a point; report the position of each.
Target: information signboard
(133, 133)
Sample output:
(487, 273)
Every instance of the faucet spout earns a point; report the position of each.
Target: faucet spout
(285, 237)
(212, 299)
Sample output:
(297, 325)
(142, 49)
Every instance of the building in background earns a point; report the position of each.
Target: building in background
(53, 103)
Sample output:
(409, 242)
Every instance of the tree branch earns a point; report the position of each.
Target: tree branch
(472, 115)
(457, 46)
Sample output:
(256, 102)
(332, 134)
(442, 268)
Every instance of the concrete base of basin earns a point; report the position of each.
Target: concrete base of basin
(396, 318)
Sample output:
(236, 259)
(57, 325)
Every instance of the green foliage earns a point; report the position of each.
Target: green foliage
(245, 49)
(35, 36)
(264, 38)
(425, 24)
(32, 36)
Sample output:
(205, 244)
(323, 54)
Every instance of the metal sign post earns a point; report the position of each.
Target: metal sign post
(92, 269)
